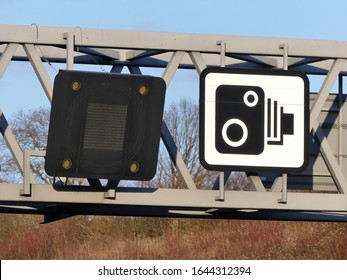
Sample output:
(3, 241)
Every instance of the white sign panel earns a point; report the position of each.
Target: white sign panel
(253, 119)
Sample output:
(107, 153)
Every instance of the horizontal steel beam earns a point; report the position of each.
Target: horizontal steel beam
(61, 211)
(160, 59)
(43, 35)
(177, 198)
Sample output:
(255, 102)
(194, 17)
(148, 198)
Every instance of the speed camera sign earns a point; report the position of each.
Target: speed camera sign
(253, 119)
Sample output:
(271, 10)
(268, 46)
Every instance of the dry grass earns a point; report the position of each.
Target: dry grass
(21, 237)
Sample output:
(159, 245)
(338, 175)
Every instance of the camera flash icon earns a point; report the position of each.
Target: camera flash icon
(278, 123)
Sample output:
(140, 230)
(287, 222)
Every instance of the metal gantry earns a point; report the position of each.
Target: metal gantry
(324, 181)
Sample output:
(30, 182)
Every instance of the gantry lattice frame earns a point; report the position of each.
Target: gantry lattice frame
(172, 51)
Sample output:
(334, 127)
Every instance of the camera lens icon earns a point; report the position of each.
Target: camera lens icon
(236, 124)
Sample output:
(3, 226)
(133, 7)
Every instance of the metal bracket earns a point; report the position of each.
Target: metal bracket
(284, 47)
(222, 45)
(70, 43)
(26, 187)
(110, 194)
(221, 196)
(284, 176)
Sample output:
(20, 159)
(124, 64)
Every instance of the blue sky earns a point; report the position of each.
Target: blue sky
(312, 19)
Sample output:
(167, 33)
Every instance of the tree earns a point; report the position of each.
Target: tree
(30, 130)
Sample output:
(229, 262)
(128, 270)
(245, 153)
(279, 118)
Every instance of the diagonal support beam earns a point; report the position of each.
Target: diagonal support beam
(316, 108)
(172, 66)
(135, 70)
(256, 183)
(325, 90)
(117, 69)
(330, 160)
(6, 57)
(198, 61)
(166, 136)
(40, 70)
(176, 157)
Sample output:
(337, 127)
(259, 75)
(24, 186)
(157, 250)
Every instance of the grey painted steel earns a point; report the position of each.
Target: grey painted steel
(176, 157)
(40, 70)
(170, 145)
(140, 40)
(6, 57)
(172, 51)
(284, 176)
(173, 198)
(198, 61)
(172, 66)
(70, 37)
(325, 90)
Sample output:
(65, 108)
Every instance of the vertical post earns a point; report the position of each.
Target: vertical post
(25, 191)
(284, 47)
(221, 196)
(284, 188)
(222, 45)
(340, 122)
(70, 42)
(28, 179)
(284, 175)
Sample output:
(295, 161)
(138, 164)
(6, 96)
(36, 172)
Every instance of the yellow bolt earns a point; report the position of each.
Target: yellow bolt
(143, 90)
(76, 85)
(67, 163)
(134, 167)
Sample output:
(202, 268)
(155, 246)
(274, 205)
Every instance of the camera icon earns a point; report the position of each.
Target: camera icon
(246, 120)
(239, 119)
(253, 119)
